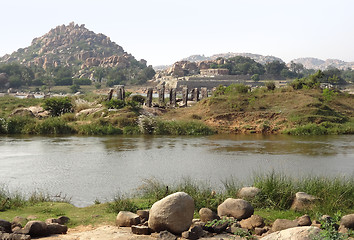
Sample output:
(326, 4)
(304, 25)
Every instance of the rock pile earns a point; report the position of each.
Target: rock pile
(15, 231)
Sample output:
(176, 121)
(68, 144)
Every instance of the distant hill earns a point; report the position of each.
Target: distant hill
(257, 57)
(75, 46)
(315, 63)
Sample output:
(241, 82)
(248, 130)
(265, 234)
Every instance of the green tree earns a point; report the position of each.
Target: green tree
(255, 77)
(57, 105)
(275, 67)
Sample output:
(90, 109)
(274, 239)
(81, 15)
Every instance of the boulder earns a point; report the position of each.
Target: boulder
(347, 221)
(56, 228)
(303, 201)
(24, 112)
(51, 220)
(194, 233)
(140, 230)
(252, 222)
(127, 219)
(237, 208)
(281, 224)
(19, 220)
(207, 214)
(296, 233)
(35, 229)
(14, 236)
(143, 214)
(304, 220)
(248, 192)
(173, 213)
(166, 235)
(259, 231)
(5, 225)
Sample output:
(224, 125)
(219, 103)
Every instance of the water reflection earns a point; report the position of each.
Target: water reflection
(87, 168)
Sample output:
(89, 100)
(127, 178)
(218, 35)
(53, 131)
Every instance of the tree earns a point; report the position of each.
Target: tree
(57, 105)
(255, 77)
(275, 67)
(4, 80)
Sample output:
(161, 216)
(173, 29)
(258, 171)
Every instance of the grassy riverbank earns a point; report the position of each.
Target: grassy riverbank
(336, 196)
(233, 109)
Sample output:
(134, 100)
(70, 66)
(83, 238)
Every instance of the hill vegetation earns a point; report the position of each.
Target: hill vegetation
(68, 53)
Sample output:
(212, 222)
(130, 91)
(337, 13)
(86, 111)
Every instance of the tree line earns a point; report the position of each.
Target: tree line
(15, 75)
(240, 65)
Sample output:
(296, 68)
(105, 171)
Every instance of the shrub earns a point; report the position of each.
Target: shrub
(131, 130)
(237, 88)
(54, 126)
(58, 105)
(98, 129)
(122, 204)
(82, 81)
(270, 85)
(138, 98)
(17, 124)
(114, 104)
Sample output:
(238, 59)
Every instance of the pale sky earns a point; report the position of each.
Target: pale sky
(165, 31)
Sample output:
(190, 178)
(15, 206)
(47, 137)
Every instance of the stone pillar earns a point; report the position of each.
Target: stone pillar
(185, 96)
(173, 97)
(162, 95)
(204, 92)
(110, 94)
(149, 98)
(120, 92)
(196, 94)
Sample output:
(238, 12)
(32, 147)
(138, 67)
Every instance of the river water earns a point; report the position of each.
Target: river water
(89, 168)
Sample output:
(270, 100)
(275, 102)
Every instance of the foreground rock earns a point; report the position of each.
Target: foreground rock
(207, 214)
(296, 233)
(248, 192)
(36, 229)
(5, 226)
(127, 219)
(237, 208)
(252, 222)
(347, 221)
(173, 213)
(281, 224)
(303, 201)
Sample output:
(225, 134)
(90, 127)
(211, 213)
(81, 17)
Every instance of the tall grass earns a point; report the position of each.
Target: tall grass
(98, 129)
(9, 200)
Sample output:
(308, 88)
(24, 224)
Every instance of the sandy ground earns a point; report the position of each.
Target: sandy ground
(112, 232)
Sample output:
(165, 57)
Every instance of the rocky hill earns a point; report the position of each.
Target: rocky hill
(257, 57)
(72, 45)
(315, 63)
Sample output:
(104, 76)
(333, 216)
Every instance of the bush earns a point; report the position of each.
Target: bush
(82, 81)
(138, 98)
(54, 126)
(270, 85)
(98, 129)
(58, 105)
(19, 124)
(115, 104)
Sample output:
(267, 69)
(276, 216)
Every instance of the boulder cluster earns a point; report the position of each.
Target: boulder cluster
(32, 229)
(172, 218)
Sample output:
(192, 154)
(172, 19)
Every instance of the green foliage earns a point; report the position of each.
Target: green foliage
(255, 77)
(99, 129)
(82, 81)
(329, 229)
(270, 85)
(312, 81)
(19, 124)
(328, 94)
(120, 203)
(114, 104)
(53, 125)
(180, 128)
(58, 105)
(74, 88)
(131, 130)
(275, 67)
(241, 65)
(138, 98)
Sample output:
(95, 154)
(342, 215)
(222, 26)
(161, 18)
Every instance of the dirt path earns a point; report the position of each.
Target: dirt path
(109, 232)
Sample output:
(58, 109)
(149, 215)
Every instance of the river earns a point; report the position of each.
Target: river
(89, 168)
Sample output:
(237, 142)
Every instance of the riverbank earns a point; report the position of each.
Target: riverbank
(228, 110)
(275, 200)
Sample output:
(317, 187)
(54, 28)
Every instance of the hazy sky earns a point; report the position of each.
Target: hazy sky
(164, 31)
